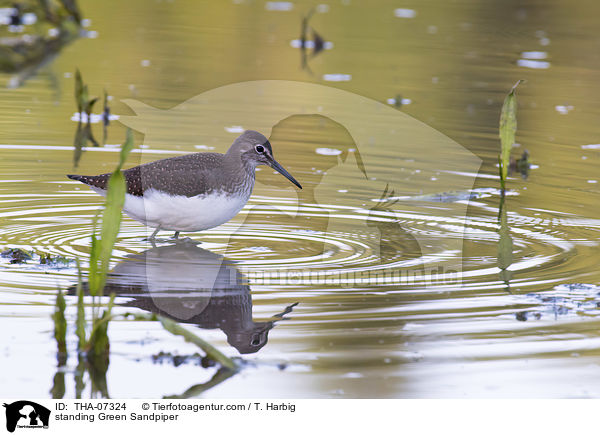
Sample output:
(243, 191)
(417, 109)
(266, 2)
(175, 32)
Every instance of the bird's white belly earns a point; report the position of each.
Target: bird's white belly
(182, 213)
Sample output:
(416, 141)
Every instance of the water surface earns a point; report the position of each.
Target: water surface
(519, 325)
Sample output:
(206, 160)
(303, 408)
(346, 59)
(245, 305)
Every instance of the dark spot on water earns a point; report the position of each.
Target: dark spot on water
(573, 299)
(206, 362)
(523, 316)
(178, 360)
(16, 255)
(520, 166)
(55, 261)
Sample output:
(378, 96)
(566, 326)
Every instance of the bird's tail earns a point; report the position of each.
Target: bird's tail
(99, 181)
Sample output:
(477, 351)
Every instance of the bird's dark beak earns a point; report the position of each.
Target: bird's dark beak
(275, 165)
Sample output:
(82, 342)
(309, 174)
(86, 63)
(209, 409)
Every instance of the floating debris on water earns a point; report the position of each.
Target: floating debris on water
(328, 151)
(177, 360)
(56, 261)
(15, 18)
(564, 299)
(29, 19)
(535, 64)
(399, 101)
(353, 375)
(7, 14)
(405, 13)
(16, 255)
(520, 165)
(279, 6)
(337, 77)
(523, 316)
(21, 256)
(234, 129)
(297, 43)
(534, 55)
(94, 118)
(563, 110)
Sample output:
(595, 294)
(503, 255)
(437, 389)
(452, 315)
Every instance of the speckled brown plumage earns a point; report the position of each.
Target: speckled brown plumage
(189, 175)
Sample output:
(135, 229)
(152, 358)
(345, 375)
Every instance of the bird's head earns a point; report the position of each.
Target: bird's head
(255, 149)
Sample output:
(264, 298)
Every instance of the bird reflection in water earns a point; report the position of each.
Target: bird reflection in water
(383, 232)
(193, 285)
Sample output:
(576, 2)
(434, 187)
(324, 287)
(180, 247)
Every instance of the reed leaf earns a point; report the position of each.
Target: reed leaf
(80, 319)
(60, 323)
(79, 91)
(508, 129)
(111, 222)
(99, 345)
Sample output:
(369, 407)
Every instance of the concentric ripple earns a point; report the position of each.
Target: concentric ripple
(350, 246)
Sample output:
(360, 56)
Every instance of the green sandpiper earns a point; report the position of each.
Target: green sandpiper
(194, 192)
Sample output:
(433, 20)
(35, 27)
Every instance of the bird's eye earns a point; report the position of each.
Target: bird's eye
(259, 149)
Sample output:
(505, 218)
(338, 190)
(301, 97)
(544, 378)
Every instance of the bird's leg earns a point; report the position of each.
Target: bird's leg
(153, 236)
(176, 235)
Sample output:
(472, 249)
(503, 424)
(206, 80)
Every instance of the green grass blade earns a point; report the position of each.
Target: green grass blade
(502, 180)
(80, 319)
(94, 281)
(99, 345)
(89, 107)
(58, 384)
(111, 223)
(79, 91)
(508, 129)
(84, 98)
(60, 323)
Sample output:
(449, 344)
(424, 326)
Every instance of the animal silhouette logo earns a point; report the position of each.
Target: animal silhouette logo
(26, 414)
(367, 169)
